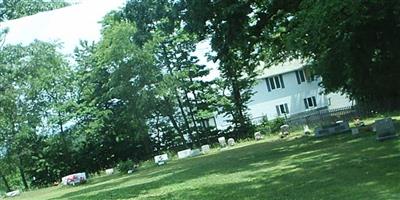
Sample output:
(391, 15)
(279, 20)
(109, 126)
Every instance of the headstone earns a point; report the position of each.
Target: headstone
(258, 136)
(110, 171)
(307, 130)
(13, 193)
(284, 130)
(205, 148)
(231, 142)
(385, 129)
(74, 179)
(355, 131)
(195, 152)
(336, 128)
(161, 159)
(222, 141)
(184, 153)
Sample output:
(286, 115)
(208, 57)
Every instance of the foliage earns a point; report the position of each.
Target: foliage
(264, 127)
(13, 9)
(276, 124)
(125, 166)
(351, 44)
(273, 126)
(227, 24)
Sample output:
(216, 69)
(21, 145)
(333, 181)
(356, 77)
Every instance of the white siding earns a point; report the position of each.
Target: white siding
(338, 100)
(264, 102)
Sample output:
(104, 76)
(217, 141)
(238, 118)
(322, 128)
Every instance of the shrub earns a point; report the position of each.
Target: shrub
(125, 166)
(276, 124)
(264, 127)
(273, 126)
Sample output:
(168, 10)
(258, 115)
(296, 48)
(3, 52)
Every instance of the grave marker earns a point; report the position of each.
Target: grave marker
(385, 129)
(222, 141)
(231, 142)
(161, 159)
(258, 136)
(205, 148)
(184, 153)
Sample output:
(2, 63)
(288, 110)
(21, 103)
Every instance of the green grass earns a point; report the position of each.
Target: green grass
(299, 167)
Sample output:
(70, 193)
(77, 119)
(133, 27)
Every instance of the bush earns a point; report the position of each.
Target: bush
(276, 124)
(125, 166)
(273, 126)
(264, 127)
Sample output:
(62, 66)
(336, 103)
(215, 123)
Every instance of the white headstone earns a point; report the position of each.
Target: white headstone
(258, 136)
(110, 171)
(231, 142)
(222, 141)
(161, 159)
(184, 153)
(13, 193)
(205, 148)
(73, 179)
(306, 129)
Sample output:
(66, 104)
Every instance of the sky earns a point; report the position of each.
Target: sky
(71, 24)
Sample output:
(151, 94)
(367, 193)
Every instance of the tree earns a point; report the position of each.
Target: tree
(228, 25)
(351, 44)
(28, 73)
(182, 86)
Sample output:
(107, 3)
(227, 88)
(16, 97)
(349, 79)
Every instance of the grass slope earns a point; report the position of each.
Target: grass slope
(337, 167)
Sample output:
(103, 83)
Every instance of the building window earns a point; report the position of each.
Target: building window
(310, 102)
(208, 123)
(274, 82)
(300, 76)
(282, 109)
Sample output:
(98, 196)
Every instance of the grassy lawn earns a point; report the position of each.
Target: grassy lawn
(298, 167)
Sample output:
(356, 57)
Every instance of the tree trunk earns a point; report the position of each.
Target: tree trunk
(22, 173)
(3, 177)
(158, 134)
(175, 125)
(191, 113)
(240, 119)
(184, 116)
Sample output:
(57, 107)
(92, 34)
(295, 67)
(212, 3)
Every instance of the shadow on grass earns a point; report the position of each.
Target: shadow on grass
(338, 167)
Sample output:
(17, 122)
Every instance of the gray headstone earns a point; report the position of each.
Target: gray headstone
(385, 129)
(355, 131)
(195, 152)
(338, 127)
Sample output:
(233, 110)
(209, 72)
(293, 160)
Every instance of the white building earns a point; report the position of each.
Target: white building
(288, 89)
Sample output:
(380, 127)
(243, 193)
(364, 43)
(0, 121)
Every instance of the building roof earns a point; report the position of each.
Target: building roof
(282, 68)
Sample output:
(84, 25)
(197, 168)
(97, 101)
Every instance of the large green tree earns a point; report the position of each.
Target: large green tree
(28, 74)
(351, 44)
